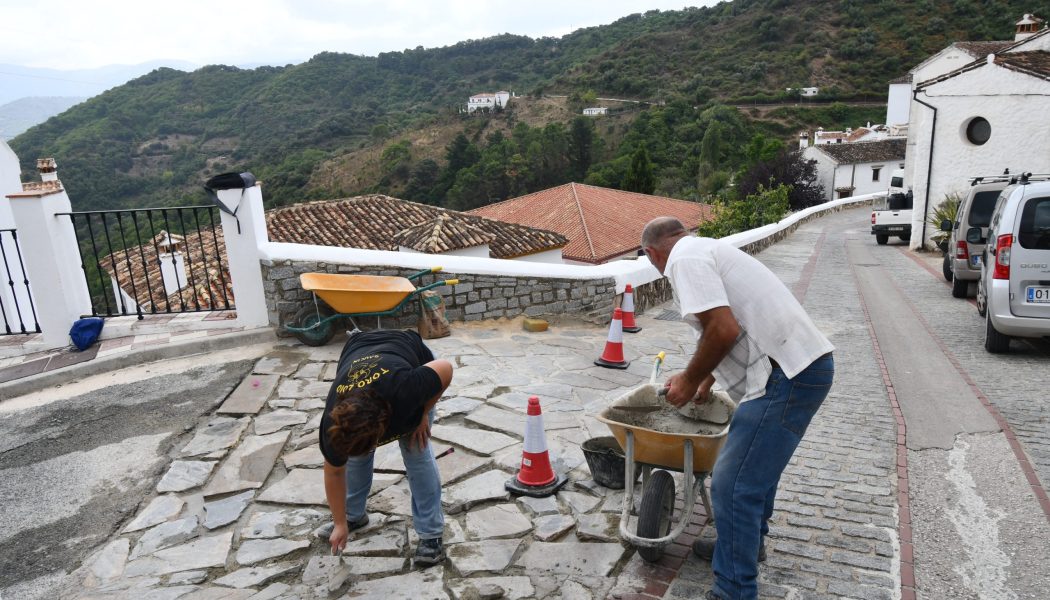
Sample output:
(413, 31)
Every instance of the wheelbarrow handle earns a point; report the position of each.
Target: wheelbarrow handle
(424, 272)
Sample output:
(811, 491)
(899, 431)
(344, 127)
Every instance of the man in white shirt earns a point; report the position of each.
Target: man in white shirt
(758, 343)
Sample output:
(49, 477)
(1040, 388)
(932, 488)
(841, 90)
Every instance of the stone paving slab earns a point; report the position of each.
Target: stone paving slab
(250, 396)
(299, 486)
(218, 434)
(475, 440)
(248, 465)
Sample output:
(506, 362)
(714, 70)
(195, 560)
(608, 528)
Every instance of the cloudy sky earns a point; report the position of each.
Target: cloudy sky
(78, 34)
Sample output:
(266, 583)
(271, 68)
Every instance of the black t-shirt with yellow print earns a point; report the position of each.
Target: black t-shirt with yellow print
(391, 363)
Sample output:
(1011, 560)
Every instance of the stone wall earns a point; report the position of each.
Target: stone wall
(475, 297)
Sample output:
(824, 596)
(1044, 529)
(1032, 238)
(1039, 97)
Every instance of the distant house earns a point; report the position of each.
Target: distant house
(488, 101)
(595, 111)
(984, 116)
(601, 224)
(856, 168)
(807, 92)
(378, 222)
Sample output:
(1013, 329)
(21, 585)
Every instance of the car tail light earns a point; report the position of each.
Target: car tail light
(962, 251)
(872, 218)
(1002, 256)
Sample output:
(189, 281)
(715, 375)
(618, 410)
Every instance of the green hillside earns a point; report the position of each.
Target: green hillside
(154, 140)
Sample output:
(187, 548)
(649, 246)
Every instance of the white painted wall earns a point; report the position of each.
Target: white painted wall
(945, 61)
(243, 246)
(172, 273)
(898, 104)
(11, 182)
(1014, 104)
(825, 170)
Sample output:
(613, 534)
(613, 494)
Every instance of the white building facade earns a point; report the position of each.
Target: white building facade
(488, 101)
(979, 119)
(847, 170)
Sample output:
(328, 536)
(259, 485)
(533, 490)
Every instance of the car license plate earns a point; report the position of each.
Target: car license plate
(894, 229)
(1038, 294)
(975, 261)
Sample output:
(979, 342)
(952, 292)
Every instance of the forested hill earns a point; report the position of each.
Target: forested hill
(153, 140)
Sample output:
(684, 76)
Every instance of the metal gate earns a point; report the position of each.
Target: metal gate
(16, 301)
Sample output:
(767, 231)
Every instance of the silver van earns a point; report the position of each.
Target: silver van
(1013, 292)
(963, 259)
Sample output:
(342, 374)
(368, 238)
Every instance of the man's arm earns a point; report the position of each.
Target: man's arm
(720, 332)
(443, 368)
(335, 493)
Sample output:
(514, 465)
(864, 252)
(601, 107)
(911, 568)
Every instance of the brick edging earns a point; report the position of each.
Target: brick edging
(1022, 458)
(907, 552)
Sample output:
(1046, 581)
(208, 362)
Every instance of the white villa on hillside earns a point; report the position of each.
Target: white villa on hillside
(977, 117)
(488, 101)
(595, 111)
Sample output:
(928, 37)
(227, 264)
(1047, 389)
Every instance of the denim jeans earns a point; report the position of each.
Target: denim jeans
(762, 437)
(423, 480)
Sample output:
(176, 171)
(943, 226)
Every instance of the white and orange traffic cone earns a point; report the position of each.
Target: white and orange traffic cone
(612, 356)
(536, 477)
(627, 306)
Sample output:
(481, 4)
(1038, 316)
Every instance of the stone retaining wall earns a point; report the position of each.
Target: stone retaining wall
(475, 297)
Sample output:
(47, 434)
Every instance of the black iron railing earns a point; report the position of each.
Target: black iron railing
(16, 301)
(153, 260)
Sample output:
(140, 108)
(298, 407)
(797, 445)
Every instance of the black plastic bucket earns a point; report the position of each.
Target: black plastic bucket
(606, 461)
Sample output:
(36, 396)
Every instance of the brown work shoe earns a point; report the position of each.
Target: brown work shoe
(705, 549)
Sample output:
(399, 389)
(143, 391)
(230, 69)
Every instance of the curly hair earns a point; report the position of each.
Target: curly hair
(359, 419)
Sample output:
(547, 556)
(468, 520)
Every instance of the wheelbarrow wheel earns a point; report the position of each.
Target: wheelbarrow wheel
(309, 316)
(654, 515)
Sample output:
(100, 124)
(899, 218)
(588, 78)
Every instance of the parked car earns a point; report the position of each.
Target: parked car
(891, 214)
(963, 258)
(1013, 292)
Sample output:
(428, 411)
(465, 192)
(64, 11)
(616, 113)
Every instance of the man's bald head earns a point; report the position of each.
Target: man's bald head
(660, 230)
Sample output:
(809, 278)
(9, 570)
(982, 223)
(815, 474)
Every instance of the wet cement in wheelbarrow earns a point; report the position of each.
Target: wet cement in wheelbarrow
(666, 419)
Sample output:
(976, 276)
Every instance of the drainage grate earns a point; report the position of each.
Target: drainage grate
(668, 315)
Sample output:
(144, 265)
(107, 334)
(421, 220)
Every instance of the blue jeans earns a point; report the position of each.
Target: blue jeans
(423, 480)
(762, 437)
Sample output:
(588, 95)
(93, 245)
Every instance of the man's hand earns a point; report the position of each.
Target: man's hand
(703, 393)
(680, 389)
(421, 434)
(338, 538)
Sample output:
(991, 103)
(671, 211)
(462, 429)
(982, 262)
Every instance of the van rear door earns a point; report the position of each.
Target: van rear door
(1030, 260)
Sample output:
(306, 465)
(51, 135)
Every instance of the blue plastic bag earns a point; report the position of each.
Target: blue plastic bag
(85, 332)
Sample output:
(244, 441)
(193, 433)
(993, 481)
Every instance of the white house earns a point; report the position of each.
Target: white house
(854, 169)
(981, 118)
(808, 92)
(14, 298)
(488, 101)
(594, 111)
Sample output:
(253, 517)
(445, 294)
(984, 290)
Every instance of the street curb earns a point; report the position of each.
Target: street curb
(26, 385)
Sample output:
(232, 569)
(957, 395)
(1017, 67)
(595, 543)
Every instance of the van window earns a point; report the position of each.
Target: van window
(897, 181)
(1034, 232)
(982, 206)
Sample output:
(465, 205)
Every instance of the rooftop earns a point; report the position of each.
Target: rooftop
(865, 152)
(601, 224)
(373, 222)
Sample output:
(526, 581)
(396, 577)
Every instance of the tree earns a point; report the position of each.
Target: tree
(421, 182)
(788, 167)
(581, 144)
(765, 206)
(640, 177)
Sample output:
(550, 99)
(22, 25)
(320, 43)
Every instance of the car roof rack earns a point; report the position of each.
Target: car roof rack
(1008, 178)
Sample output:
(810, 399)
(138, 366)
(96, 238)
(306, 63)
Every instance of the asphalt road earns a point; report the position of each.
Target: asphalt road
(73, 470)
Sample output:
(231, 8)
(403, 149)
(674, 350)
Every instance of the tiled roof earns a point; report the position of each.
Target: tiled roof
(906, 78)
(1033, 62)
(442, 234)
(371, 222)
(865, 152)
(983, 49)
(601, 224)
(138, 272)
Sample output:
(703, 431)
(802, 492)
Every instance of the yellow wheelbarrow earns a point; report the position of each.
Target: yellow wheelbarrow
(347, 296)
(655, 439)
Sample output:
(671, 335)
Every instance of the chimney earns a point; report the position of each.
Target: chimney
(803, 139)
(172, 262)
(47, 168)
(1027, 27)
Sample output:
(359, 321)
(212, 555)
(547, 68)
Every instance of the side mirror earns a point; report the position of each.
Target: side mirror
(946, 225)
(973, 235)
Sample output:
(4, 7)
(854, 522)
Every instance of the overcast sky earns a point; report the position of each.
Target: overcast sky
(76, 34)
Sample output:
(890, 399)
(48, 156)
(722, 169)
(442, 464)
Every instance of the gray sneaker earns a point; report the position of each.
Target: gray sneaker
(325, 531)
(429, 552)
(705, 549)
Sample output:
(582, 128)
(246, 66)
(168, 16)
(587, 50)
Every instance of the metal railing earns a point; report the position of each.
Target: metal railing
(16, 301)
(153, 260)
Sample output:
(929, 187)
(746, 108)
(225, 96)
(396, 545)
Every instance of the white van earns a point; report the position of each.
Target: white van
(891, 216)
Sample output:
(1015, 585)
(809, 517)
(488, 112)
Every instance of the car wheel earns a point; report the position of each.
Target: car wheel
(982, 300)
(881, 239)
(960, 288)
(994, 342)
(946, 268)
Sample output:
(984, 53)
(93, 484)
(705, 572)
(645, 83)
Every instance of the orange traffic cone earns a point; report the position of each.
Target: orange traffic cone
(628, 310)
(535, 478)
(612, 357)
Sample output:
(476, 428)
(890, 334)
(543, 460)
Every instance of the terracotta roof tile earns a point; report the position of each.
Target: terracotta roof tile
(442, 234)
(601, 224)
(865, 152)
(1033, 62)
(983, 49)
(373, 221)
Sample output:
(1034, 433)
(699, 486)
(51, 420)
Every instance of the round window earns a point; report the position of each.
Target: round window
(978, 131)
